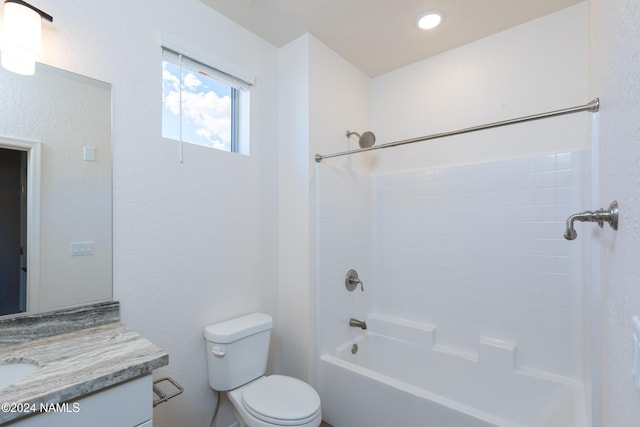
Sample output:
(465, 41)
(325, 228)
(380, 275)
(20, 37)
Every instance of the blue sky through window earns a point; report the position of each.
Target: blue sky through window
(206, 106)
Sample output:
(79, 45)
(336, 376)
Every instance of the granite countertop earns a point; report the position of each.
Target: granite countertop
(74, 364)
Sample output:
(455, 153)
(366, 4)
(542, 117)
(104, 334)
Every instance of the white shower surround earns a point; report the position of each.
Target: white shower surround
(388, 364)
(475, 250)
(478, 250)
(465, 233)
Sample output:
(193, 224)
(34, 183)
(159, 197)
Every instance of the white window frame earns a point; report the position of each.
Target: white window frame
(241, 81)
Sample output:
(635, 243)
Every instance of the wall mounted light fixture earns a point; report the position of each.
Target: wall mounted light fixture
(21, 36)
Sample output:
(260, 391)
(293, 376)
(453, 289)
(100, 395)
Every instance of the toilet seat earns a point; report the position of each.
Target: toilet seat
(281, 400)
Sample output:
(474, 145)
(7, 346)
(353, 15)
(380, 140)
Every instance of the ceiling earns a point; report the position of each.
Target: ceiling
(380, 35)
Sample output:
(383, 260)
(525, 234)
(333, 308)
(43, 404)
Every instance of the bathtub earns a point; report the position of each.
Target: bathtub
(399, 376)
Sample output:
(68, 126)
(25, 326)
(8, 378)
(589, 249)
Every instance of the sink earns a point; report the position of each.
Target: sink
(13, 372)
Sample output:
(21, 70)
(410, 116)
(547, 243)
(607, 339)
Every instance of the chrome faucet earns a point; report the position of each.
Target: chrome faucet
(600, 216)
(351, 281)
(357, 323)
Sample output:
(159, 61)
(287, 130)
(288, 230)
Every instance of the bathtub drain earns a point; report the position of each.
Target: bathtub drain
(354, 349)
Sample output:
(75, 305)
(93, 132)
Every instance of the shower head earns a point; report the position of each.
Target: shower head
(366, 140)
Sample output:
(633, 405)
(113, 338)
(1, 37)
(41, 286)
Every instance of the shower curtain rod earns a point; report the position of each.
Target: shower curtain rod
(592, 106)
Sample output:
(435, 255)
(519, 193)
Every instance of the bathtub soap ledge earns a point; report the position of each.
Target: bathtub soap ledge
(497, 354)
(418, 333)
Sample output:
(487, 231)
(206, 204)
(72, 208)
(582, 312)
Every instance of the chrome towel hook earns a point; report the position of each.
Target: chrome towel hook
(600, 216)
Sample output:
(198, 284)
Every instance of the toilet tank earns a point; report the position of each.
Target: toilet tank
(237, 350)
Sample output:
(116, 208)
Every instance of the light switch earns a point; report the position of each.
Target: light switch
(81, 248)
(90, 154)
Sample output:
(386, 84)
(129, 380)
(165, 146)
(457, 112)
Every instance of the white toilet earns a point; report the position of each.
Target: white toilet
(237, 351)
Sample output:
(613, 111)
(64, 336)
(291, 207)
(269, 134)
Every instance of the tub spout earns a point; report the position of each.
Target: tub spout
(357, 323)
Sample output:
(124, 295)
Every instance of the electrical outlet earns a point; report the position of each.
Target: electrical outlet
(81, 248)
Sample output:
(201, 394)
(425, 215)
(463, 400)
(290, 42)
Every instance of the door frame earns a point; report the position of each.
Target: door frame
(33, 149)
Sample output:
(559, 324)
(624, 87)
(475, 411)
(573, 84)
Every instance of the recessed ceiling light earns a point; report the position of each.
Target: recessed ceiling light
(430, 19)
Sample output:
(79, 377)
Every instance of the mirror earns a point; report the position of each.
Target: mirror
(55, 190)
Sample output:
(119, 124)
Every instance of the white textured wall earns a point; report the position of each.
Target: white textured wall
(321, 96)
(532, 68)
(340, 101)
(615, 29)
(295, 256)
(195, 242)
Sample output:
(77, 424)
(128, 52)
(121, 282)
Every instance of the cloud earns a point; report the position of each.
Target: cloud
(170, 89)
(168, 77)
(172, 102)
(203, 110)
(191, 81)
(210, 113)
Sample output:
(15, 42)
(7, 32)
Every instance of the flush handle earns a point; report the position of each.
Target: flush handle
(218, 351)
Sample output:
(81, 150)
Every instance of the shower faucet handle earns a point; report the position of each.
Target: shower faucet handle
(357, 282)
(351, 281)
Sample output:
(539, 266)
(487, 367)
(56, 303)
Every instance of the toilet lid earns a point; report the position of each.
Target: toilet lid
(281, 400)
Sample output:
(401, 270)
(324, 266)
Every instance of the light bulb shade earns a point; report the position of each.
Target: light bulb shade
(21, 38)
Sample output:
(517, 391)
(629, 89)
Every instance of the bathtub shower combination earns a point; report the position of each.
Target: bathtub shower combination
(476, 307)
(396, 376)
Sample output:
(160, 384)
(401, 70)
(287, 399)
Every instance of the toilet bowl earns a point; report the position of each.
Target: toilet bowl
(276, 400)
(237, 351)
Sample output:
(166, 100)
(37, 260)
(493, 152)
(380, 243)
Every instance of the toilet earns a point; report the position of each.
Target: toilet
(237, 352)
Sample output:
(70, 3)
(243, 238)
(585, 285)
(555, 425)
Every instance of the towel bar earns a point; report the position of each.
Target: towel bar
(162, 396)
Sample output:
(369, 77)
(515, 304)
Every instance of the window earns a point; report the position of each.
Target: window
(203, 105)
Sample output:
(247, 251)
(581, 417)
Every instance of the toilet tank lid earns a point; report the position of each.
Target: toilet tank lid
(240, 327)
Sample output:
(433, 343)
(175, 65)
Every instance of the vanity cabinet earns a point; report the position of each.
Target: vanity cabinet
(101, 373)
(129, 404)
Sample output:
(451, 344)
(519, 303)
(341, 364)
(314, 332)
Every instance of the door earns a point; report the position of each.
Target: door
(13, 231)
